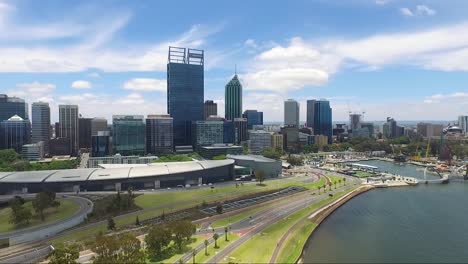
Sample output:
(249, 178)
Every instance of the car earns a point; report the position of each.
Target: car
(187, 185)
(209, 184)
(168, 188)
(180, 186)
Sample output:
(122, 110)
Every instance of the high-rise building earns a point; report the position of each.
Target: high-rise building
(40, 124)
(429, 130)
(392, 130)
(240, 126)
(15, 132)
(290, 137)
(10, 106)
(277, 141)
(69, 126)
(323, 119)
(98, 124)
(354, 121)
(259, 140)
(59, 146)
(159, 134)
(185, 91)
(253, 118)
(128, 134)
(210, 108)
(206, 133)
(84, 125)
(229, 132)
(463, 123)
(369, 126)
(233, 99)
(310, 113)
(100, 144)
(291, 113)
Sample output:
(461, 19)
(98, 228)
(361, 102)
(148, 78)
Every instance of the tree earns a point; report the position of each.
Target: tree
(219, 208)
(182, 230)
(137, 221)
(64, 255)
(344, 180)
(130, 249)
(206, 247)
(123, 248)
(43, 201)
(260, 176)
(295, 160)
(272, 153)
(157, 240)
(215, 237)
(19, 214)
(226, 233)
(110, 223)
(329, 186)
(219, 157)
(106, 249)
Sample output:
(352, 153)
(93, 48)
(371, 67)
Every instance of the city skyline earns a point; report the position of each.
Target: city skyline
(412, 63)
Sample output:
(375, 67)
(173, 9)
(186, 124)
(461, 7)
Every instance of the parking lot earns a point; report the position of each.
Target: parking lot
(252, 201)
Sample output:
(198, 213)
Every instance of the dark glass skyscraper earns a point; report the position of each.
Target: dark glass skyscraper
(310, 113)
(40, 113)
(68, 120)
(253, 118)
(323, 119)
(15, 132)
(185, 91)
(84, 125)
(159, 134)
(233, 99)
(129, 135)
(10, 106)
(211, 108)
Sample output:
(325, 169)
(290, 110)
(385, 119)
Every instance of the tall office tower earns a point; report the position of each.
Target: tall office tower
(253, 118)
(323, 119)
(369, 126)
(392, 130)
(100, 144)
(229, 132)
(291, 113)
(210, 108)
(233, 99)
(15, 132)
(40, 119)
(240, 126)
(159, 134)
(185, 91)
(10, 106)
(310, 113)
(128, 134)
(98, 124)
(84, 125)
(354, 121)
(69, 126)
(463, 123)
(206, 133)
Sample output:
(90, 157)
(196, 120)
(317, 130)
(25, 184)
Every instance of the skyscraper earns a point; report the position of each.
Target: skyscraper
(323, 119)
(233, 99)
(354, 121)
(159, 134)
(100, 144)
(185, 91)
(253, 118)
(310, 113)
(68, 126)
(98, 124)
(40, 113)
(15, 132)
(128, 134)
(240, 128)
(84, 125)
(10, 106)
(210, 108)
(291, 113)
(207, 133)
(463, 123)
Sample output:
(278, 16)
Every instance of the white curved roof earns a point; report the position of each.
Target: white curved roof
(112, 173)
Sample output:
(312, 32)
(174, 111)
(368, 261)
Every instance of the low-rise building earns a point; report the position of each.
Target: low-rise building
(277, 141)
(208, 152)
(270, 167)
(94, 162)
(259, 140)
(33, 152)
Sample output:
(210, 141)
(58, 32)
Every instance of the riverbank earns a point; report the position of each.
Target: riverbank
(320, 215)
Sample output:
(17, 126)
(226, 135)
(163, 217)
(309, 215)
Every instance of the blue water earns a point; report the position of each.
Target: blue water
(426, 223)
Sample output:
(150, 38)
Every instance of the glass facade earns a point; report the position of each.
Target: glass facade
(323, 120)
(15, 132)
(128, 135)
(310, 113)
(229, 132)
(240, 126)
(40, 124)
(85, 132)
(233, 99)
(100, 144)
(10, 106)
(253, 118)
(159, 134)
(207, 133)
(291, 113)
(68, 126)
(185, 91)
(211, 108)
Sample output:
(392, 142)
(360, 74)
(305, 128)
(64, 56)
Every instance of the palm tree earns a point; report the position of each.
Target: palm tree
(344, 179)
(193, 256)
(226, 233)
(215, 237)
(329, 186)
(206, 247)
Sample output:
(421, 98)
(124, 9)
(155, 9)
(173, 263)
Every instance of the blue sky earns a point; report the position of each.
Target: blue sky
(406, 59)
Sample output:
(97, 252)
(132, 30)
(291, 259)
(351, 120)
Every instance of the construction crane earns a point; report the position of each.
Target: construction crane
(417, 155)
(428, 148)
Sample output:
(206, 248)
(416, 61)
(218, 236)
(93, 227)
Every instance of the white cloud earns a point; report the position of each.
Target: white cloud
(36, 88)
(419, 10)
(145, 84)
(382, 2)
(80, 84)
(94, 75)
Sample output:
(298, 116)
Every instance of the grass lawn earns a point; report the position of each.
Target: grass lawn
(188, 199)
(250, 252)
(66, 209)
(202, 258)
(363, 174)
(236, 218)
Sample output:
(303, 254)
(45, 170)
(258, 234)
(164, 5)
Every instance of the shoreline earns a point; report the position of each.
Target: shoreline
(319, 216)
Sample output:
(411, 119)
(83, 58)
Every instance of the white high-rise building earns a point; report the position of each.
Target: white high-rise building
(291, 113)
(463, 124)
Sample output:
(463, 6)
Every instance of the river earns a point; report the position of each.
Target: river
(426, 223)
